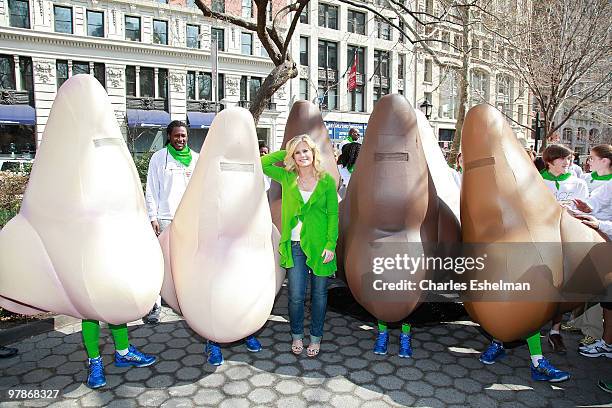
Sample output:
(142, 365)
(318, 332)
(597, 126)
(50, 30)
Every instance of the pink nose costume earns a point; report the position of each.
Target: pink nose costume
(82, 244)
(221, 272)
(506, 207)
(391, 207)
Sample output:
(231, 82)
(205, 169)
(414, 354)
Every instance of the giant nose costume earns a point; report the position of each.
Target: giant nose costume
(509, 212)
(82, 244)
(220, 266)
(391, 207)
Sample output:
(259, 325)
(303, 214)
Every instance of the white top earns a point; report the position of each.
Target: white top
(606, 228)
(267, 182)
(457, 176)
(345, 174)
(295, 232)
(576, 170)
(167, 180)
(593, 184)
(568, 189)
(601, 202)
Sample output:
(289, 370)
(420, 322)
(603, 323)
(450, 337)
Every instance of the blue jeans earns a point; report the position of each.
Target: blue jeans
(298, 279)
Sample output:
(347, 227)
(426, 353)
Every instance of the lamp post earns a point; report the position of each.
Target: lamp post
(426, 107)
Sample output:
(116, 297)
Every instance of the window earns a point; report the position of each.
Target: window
(221, 87)
(401, 62)
(480, 87)
(328, 72)
(269, 11)
(449, 97)
(160, 32)
(130, 81)
(429, 6)
(193, 36)
(61, 72)
(304, 15)
(356, 22)
(191, 84)
(243, 88)
(205, 86)
(428, 71)
(427, 96)
(254, 85)
(246, 41)
(100, 73)
(476, 49)
(304, 51)
(402, 39)
(505, 94)
(445, 40)
(383, 29)
(356, 96)
(247, 8)
(218, 6)
(263, 52)
(79, 67)
(304, 89)
(381, 74)
(147, 82)
(457, 43)
(328, 16)
(95, 23)
(520, 114)
(486, 50)
(63, 19)
(132, 28)
(219, 35)
(19, 11)
(7, 72)
(26, 72)
(162, 83)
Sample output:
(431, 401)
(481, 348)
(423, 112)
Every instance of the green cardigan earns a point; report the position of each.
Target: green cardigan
(319, 216)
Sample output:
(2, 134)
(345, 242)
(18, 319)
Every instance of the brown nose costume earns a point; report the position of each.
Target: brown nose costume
(391, 207)
(509, 212)
(304, 118)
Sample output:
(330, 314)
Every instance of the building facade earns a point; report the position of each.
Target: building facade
(154, 59)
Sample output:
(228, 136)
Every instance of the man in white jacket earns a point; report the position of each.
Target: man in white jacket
(169, 172)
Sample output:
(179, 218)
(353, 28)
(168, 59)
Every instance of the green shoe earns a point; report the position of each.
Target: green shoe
(606, 386)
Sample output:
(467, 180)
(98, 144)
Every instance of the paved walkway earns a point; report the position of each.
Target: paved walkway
(444, 371)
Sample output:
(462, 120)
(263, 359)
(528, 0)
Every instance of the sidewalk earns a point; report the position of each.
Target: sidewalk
(444, 370)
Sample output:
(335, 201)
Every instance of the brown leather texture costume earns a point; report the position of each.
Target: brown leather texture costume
(304, 118)
(506, 207)
(391, 206)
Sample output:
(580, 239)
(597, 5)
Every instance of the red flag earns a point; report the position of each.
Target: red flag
(352, 76)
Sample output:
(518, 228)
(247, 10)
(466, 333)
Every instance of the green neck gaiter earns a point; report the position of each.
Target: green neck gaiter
(595, 176)
(547, 175)
(350, 169)
(181, 156)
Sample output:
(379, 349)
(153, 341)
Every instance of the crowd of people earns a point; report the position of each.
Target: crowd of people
(310, 206)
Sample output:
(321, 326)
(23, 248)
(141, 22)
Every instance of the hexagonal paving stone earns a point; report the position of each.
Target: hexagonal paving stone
(236, 388)
(96, 399)
(207, 396)
(313, 395)
(390, 382)
(290, 402)
(172, 354)
(262, 379)
(288, 387)
(234, 403)
(382, 368)
(151, 398)
(339, 385)
(189, 373)
(262, 396)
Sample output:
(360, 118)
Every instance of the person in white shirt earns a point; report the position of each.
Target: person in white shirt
(566, 187)
(601, 167)
(346, 164)
(263, 150)
(169, 172)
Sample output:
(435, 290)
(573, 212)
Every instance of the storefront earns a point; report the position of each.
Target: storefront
(17, 131)
(338, 131)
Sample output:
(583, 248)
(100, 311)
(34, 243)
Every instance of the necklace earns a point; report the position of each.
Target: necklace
(306, 183)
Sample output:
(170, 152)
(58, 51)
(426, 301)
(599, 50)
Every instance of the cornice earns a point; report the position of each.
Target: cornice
(33, 43)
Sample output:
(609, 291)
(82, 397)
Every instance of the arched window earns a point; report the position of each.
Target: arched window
(567, 135)
(449, 94)
(479, 87)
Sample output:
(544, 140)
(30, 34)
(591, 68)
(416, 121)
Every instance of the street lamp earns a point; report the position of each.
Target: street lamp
(426, 107)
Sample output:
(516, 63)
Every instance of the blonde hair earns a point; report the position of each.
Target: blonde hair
(292, 144)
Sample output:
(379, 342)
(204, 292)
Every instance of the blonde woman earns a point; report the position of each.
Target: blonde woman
(309, 216)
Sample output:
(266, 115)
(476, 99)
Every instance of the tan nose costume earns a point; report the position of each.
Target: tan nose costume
(220, 266)
(82, 244)
(391, 206)
(504, 201)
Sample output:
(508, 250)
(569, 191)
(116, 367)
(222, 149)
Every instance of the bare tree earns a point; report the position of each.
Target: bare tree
(564, 52)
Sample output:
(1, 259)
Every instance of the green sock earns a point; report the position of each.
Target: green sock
(120, 336)
(405, 328)
(91, 337)
(382, 326)
(535, 345)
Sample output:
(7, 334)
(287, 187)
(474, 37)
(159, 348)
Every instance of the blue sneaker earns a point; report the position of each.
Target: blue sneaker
(405, 349)
(213, 351)
(133, 358)
(546, 372)
(95, 376)
(493, 352)
(252, 344)
(382, 341)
